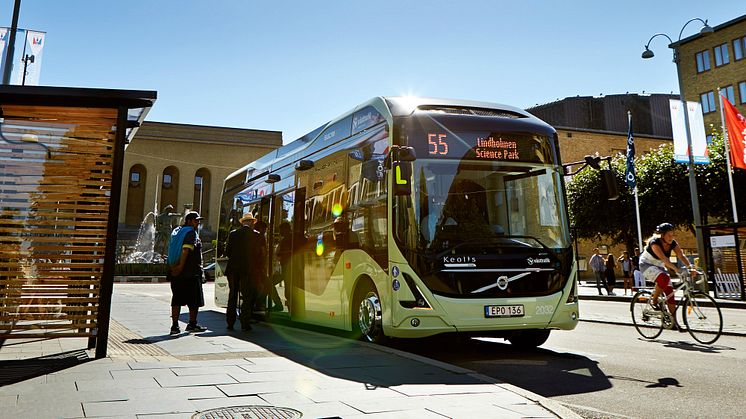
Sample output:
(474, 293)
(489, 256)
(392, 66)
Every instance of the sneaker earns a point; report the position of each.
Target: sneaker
(194, 327)
(612, 293)
(174, 330)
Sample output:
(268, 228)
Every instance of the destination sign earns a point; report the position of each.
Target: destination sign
(491, 146)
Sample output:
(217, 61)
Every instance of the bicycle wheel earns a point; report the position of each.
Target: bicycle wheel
(703, 318)
(646, 319)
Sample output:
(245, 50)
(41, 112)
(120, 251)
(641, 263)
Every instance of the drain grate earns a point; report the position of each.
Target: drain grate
(249, 412)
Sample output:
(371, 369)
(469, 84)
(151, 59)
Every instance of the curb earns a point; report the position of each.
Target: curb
(620, 298)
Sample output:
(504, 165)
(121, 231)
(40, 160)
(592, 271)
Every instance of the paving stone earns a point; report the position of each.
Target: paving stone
(207, 404)
(141, 406)
(116, 385)
(200, 370)
(285, 398)
(326, 410)
(347, 394)
(249, 389)
(8, 400)
(150, 373)
(58, 409)
(195, 380)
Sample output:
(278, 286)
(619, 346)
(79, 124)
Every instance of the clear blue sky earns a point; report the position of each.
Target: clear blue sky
(292, 65)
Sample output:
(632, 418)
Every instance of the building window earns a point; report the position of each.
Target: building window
(708, 102)
(742, 91)
(721, 55)
(167, 179)
(727, 91)
(135, 177)
(703, 61)
(739, 47)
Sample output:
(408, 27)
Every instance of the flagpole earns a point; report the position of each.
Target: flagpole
(630, 153)
(727, 159)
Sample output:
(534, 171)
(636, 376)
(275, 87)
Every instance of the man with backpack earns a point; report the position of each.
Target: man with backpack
(185, 273)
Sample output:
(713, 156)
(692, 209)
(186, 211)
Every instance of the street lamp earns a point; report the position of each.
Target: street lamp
(706, 29)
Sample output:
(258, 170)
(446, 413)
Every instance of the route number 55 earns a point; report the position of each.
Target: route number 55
(438, 143)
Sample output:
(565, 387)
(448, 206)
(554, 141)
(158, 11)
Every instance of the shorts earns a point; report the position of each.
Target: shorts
(187, 291)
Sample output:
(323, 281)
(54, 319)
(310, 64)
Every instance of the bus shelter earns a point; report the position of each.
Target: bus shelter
(726, 245)
(61, 156)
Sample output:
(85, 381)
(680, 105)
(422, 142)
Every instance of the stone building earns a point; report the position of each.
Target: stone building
(712, 61)
(184, 166)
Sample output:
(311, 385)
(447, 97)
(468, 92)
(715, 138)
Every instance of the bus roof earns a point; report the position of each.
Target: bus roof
(389, 107)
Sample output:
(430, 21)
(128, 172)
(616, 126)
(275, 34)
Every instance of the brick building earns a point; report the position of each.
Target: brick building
(588, 125)
(715, 60)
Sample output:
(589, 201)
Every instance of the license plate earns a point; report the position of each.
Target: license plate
(504, 311)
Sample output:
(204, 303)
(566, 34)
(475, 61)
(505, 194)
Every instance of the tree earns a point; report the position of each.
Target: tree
(663, 190)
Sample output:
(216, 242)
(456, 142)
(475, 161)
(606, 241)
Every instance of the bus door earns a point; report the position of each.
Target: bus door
(323, 271)
(281, 249)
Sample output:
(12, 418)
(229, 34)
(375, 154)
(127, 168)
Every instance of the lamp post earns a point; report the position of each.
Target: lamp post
(706, 29)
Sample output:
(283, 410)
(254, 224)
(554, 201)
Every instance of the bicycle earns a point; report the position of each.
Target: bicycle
(700, 312)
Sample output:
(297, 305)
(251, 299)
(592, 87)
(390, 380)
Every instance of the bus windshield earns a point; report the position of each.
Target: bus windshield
(479, 204)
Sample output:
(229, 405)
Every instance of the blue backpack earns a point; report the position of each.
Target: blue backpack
(176, 243)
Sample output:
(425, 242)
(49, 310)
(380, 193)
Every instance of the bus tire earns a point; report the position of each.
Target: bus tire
(529, 339)
(367, 322)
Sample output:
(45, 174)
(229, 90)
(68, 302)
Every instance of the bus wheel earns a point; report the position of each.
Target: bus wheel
(367, 320)
(529, 339)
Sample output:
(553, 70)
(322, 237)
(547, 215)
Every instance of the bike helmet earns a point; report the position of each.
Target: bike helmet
(662, 228)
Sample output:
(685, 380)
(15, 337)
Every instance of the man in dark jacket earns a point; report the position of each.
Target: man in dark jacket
(238, 270)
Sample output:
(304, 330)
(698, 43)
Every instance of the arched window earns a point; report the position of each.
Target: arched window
(169, 188)
(135, 195)
(202, 193)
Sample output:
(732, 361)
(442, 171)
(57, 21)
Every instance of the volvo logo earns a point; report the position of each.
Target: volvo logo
(531, 261)
(502, 283)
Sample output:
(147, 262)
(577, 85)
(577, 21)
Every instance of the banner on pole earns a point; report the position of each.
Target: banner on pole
(629, 174)
(696, 131)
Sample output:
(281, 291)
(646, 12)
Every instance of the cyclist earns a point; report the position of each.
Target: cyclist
(654, 261)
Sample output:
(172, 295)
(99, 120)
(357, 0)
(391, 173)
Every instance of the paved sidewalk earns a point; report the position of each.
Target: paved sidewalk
(273, 369)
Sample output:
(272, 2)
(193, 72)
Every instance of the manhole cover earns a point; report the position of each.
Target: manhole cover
(249, 412)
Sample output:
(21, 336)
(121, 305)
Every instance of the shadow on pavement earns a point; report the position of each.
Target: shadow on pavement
(545, 372)
(14, 371)
(332, 353)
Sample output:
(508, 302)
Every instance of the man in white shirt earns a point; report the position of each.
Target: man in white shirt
(598, 265)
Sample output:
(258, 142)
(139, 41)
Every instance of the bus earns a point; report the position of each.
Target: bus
(410, 217)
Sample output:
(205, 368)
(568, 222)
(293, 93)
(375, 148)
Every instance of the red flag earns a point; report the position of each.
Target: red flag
(736, 124)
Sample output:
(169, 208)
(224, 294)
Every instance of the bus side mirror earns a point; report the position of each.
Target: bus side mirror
(402, 172)
(609, 183)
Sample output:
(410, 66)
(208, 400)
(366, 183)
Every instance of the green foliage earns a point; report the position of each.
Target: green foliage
(663, 191)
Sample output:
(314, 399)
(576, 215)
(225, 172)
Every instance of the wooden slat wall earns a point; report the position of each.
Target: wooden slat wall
(53, 219)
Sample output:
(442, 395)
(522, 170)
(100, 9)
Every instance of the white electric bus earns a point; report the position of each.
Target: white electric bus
(409, 217)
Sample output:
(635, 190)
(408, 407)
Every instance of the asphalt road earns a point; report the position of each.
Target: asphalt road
(604, 370)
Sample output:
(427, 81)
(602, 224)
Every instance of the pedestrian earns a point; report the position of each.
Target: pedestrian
(598, 266)
(253, 281)
(237, 269)
(185, 273)
(626, 264)
(636, 260)
(610, 275)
